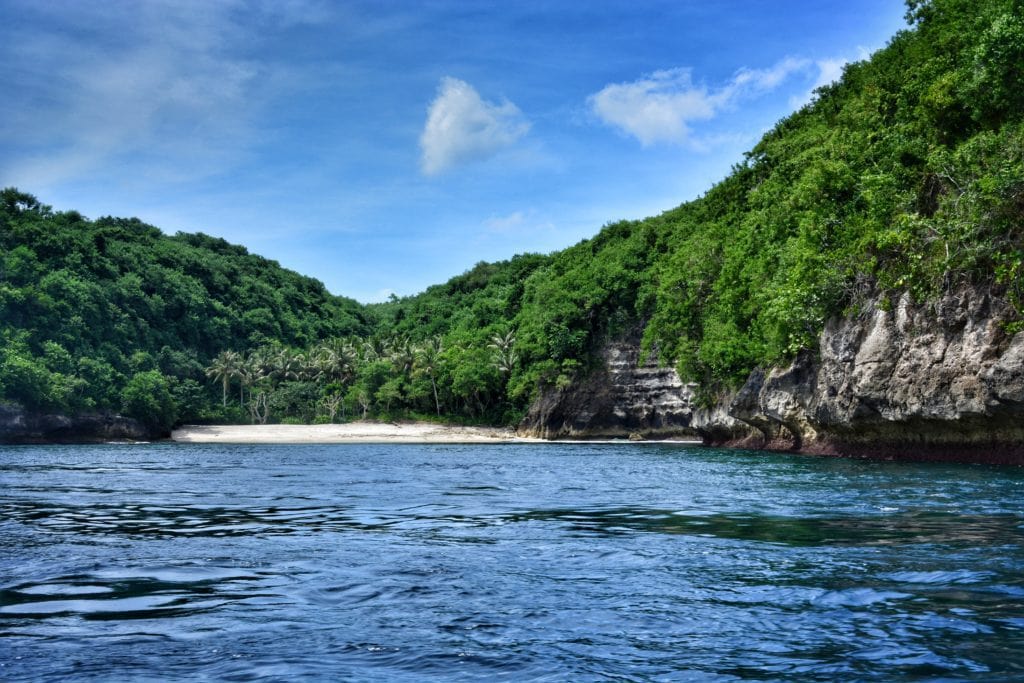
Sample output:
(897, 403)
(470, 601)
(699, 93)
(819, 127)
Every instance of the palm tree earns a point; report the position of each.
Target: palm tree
(251, 370)
(505, 357)
(427, 360)
(375, 348)
(403, 355)
(224, 368)
(336, 361)
(287, 364)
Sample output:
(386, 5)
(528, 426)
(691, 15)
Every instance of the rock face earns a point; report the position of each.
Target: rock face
(940, 381)
(19, 426)
(618, 399)
(623, 399)
(936, 381)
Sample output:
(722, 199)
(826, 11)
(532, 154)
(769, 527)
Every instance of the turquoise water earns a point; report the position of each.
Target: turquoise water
(541, 562)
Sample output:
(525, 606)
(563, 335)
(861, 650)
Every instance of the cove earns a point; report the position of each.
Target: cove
(504, 562)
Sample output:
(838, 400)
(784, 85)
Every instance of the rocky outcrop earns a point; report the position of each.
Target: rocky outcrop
(623, 398)
(913, 381)
(937, 381)
(20, 426)
(618, 399)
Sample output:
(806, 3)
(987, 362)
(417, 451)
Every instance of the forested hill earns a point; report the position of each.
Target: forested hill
(905, 176)
(91, 309)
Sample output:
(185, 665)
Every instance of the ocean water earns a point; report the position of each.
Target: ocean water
(633, 562)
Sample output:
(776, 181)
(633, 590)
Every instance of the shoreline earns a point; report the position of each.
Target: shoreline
(370, 433)
(351, 432)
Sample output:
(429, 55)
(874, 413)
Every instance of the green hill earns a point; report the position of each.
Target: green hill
(88, 307)
(907, 175)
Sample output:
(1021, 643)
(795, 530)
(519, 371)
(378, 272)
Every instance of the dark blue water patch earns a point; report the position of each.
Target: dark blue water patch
(561, 562)
(147, 520)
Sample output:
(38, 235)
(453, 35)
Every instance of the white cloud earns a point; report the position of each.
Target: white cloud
(829, 71)
(462, 127)
(517, 222)
(157, 87)
(656, 108)
(510, 223)
(381, 295)
(659, 108)
(759, 81)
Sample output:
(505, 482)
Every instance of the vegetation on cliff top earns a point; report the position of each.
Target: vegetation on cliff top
(908, 174)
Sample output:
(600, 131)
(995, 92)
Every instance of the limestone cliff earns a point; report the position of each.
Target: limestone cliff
(623, 398)
(936, 381)
(917, 381)
(20, 426)
(617, 399)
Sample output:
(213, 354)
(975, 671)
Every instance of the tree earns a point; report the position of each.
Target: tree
(427, 358)
(225, 367)
(147, 397)
(505, 357)
(27, 381)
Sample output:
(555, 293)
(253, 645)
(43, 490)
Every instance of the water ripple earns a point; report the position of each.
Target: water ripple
(208, 520)
(116, 595)
(481, 564)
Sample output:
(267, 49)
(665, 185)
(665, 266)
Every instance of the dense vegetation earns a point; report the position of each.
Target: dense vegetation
(113, 315)
(907, 175)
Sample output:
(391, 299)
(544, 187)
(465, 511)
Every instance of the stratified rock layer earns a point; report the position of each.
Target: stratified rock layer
(939, 381)
(618, 399)
(932, 381)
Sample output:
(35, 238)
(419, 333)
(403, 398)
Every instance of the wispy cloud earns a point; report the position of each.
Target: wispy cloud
(462, 127)
(829, 70)
(509, 223)
(163, 88)
(517, 222)
(660, 107)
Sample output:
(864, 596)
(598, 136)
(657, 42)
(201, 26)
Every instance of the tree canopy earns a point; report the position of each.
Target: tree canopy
(905, 175)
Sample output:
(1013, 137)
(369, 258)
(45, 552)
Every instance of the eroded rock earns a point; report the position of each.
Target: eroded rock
(914, 381)
(20, 426)
(618, 399)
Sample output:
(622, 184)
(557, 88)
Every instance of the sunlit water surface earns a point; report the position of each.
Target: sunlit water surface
(550, 562)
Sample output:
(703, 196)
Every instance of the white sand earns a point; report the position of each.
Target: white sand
(371, 432)
(353, 432)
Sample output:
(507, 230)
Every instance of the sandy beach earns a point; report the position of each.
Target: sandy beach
(353, 432)
(371, 432)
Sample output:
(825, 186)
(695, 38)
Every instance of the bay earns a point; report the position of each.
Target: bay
(515, 562)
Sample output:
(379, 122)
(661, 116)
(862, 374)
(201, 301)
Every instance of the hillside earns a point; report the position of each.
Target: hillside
(113, 315)
(900, 185)
(906, 176)
(855, 284)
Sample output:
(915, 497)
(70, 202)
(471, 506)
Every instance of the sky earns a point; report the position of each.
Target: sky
(384, 146)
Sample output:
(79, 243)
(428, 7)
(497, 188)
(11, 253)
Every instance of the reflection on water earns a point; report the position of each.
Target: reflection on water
(811, 531)
(149, 593)
(469, 563)
(194, 520)
(152, 520)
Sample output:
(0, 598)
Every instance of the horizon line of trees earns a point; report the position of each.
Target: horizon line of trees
(376, 376)
(905, 176)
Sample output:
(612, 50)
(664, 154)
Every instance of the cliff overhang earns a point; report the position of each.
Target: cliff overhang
(942, 380)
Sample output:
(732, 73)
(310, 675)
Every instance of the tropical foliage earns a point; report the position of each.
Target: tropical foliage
(95, 313)
(906, 175)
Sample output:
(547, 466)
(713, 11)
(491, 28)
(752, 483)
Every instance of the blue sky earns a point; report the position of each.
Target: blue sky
(385, 146)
